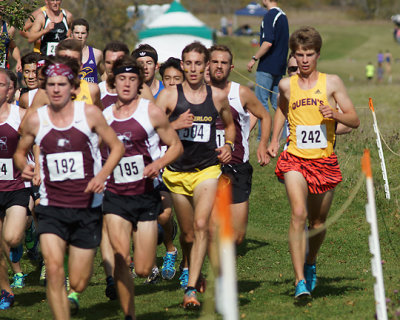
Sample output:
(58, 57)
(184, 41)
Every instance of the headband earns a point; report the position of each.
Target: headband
(126, 69)
(40, 63)
(59, 69)
(141, 54)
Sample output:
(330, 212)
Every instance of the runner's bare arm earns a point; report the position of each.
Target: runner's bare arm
(95, 94)
(146, 93)
(254, 106)
(108, 136)
(168, 136)
(37, 30)
(167, 100)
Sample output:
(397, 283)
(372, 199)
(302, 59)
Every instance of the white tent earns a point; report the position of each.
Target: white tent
(172, 31)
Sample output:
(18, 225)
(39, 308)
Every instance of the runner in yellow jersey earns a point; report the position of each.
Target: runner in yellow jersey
(309, 166)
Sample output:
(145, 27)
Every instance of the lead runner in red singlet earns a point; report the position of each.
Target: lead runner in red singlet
(309, 166)
(69, 215)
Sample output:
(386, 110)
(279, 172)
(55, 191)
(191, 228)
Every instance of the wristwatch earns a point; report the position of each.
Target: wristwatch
(254, 58)
(231, 144)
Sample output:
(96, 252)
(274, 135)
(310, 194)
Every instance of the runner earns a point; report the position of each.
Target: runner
(147, 57)
(131, 204)
(192, 179)
(243, 102)
(69, 213)
(171, 72)
(29, 72)
(14, 192)
(92, 58)
(309, 166)
(51, 27)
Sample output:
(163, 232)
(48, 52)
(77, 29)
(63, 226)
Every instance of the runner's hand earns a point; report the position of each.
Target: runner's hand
(151, 171)
(95, 185)
(185, 120)
(273, 149)
(326, 111)
(262, 156)
(28, 172)
(225, 154)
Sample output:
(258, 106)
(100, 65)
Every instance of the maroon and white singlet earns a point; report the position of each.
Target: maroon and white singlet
(69, 159)
(241, 119)
(141, 148)
(10, 176)
(107, 98)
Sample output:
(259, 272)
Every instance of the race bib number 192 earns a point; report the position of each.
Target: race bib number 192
(311, 137)
(198, 132)
(65, 166)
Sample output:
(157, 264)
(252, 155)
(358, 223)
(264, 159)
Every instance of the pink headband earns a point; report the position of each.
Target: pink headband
(59, 69)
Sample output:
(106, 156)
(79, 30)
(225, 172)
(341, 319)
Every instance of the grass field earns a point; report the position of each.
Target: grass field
(264, 271)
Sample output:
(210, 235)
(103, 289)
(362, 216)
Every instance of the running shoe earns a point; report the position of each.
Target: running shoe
(6, 300)
(132, 269)
(168, 268)
(111, 292)
(310, 273)
(16, 253)
(42, 278)
(32, 243)
(184, 278)
(19, 280)
(190, 300)
(73, 299)
(154, 276)
(301, 290)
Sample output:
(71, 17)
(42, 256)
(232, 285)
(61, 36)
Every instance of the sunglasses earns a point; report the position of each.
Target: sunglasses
(292, 69)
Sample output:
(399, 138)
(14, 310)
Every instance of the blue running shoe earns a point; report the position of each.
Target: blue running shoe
(301, 290)
(16, 253)
(168, 268)
(6, 300)
(310, 273)
(19, 281)
(184, 278)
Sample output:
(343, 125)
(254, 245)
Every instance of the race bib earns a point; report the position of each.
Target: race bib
(3, 61)
(6, 169)
(220, 137)
(198, 132)
(129, 169)
(51, 48)
(65, 166)
(311, 137)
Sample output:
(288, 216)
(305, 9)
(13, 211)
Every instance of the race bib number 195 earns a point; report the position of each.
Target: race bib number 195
(129, 169)
(311, 137)
(65, 166)
(198, 132)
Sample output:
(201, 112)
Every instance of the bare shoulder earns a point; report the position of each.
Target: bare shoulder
(284, 84)
(92, 110)
(334, 84)
(218, 93)
(155, 110)
(245, 93)
(22, 112)
(98, 54)
(40, 99)
(24, 100)
(31, 122)
(146, 93)
(93, 88)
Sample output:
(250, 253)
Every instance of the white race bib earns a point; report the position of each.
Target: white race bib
(311, 137)
(129, 169)
(6, 169)
(3, 61)
(220, 137)
(198, 132)
(51, 48)
(65, 166)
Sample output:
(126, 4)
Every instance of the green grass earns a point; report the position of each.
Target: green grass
(264, 271)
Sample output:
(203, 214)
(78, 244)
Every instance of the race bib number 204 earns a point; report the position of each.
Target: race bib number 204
(311, 137)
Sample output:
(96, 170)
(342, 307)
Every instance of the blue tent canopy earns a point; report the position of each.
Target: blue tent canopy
(252, 9)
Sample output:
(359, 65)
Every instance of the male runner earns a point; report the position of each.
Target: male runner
(67, 133)
(171, 72)
(147, 57)
(131, 204)
(14, 192)
(51, 27)
(309, 166)
(29, 72)
(192, 179)
(92, 58)
(243, 102)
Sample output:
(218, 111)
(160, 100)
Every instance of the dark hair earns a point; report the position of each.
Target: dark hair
(13, 78)
(223, 48)
(148, 50)
(70, 44)
(69, 62)
(31, 57)
(196, 47)
(80, 22)
(170, 63)
(126, 61)
(307, 38)
(116, 46)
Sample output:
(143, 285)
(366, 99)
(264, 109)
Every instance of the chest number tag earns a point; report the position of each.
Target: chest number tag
(220, 138)
(51, 48)
(129, 169)
(311, 137)
(198, 132)
(6, 169)
(65, 166)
